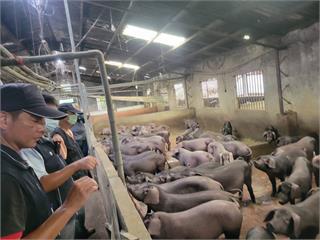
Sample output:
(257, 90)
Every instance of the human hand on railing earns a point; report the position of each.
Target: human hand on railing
(79, 193)
(86, 163)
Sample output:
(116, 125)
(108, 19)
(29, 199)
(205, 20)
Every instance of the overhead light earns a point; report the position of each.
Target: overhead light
(114, 63)
(136, 86)
(59, 61)
(109, 78)
(97, 71)
(82, 68)
(135, 67)
(120, 65)
(169, 39)
(8, 44)
(246, 37)
(138, 32)
(147, 76)
(147, 34)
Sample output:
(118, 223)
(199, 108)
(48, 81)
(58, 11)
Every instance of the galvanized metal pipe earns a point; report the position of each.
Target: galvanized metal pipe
(82, 90)
(70, 56)
(76, 55)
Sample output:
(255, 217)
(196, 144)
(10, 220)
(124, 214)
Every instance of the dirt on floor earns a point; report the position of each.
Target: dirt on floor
(253, 214)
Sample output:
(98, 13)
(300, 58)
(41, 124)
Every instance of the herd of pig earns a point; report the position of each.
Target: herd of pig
(201, 197)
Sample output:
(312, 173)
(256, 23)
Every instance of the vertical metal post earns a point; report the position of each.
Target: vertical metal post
(73, 49)
(88, 127)
(78, 78)
(279, 84)
(116, 146)
(186, 92)
(112, 205)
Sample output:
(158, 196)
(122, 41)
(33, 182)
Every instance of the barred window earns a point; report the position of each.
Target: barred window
(210, 94)
(250, 91)
(180, 96)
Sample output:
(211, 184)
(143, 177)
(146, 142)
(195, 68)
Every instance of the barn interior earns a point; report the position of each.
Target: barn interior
(254, 64)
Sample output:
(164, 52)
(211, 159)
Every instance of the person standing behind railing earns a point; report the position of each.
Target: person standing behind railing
(25, 208)
(79, 133)
(69, 148)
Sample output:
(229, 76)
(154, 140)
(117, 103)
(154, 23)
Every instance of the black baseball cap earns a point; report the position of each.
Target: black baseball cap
(68, 107)
(27, 98)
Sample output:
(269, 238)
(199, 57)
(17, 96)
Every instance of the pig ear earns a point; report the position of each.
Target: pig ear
(154, 227)
(295, 191)
(270, 162)
(175, 151)
(152, 196)
(147, 179)
(294, 225)
(231, 157)
(162, 179)
(221, 160)
(269, 216)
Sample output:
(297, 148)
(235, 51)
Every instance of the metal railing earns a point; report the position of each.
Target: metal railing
(108, 199)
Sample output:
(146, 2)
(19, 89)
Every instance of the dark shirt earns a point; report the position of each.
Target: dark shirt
(74, 152)
(24, 204)
(79, 133)
(53, 162)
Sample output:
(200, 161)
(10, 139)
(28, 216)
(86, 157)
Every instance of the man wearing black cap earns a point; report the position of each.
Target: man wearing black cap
(55, 176)
(25, 210)
(69, 148)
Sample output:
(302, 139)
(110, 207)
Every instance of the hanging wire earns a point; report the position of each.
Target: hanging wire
(32, 35)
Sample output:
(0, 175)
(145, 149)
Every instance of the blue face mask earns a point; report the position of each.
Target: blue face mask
(51, 125)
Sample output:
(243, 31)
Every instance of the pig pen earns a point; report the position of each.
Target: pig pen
(253, 214)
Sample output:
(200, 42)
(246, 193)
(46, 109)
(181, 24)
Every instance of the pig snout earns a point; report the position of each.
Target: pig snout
(270, 228)
(258, 164)
(283, 199)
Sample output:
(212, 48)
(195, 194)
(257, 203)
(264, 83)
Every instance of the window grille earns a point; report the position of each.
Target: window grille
(210, 94)
(250, 91)
(180, 96)
(164, 93)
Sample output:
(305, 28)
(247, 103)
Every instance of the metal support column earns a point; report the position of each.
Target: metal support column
(279, 84)
(76, 69)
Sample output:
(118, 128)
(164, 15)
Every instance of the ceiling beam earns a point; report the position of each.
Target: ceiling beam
(209, 26)
(173, 19)
(120, 26)
(82, 21)
(117, 31)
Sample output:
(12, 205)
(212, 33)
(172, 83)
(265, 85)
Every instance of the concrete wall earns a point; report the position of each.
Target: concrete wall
(301, 83)
(302, 66)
